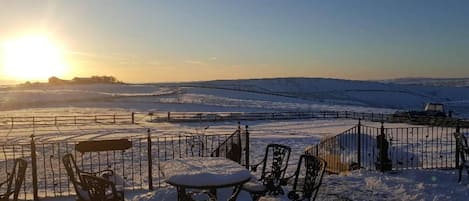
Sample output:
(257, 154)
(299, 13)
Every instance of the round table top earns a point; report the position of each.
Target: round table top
(204, 172)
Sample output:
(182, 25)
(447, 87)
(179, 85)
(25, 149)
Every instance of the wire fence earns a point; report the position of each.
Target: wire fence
(135, 168)
(289, 115)
(138, 166)
(65, 120)
(404, 148)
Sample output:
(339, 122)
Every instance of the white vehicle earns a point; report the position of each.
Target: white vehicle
(434, 107)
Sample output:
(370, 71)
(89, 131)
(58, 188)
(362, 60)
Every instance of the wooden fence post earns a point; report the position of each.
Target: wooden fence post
(247, 150)
(458, 130)
(169, 116)
(150, 162)
(133, 118)
(34, 168)
(359, 144)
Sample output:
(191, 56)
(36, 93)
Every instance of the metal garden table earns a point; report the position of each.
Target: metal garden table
(208, 173)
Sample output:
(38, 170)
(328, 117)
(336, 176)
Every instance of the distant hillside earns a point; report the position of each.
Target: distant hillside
(351, 92)
(279, 94)
(440, 82)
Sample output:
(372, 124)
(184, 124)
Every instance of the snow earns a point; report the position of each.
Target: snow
(402, 185)
(203, 172)
(435, 185)
(241, 95)
(292, 94)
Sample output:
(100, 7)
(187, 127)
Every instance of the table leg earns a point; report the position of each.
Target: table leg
(182, 195)
(213, 194)
(235, 193)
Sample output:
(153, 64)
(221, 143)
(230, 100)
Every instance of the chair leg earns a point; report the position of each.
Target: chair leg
(467, 170)
(460, 173)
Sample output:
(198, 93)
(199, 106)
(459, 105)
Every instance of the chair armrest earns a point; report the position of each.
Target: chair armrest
(6, 195)
(254, 167)
(284, 181)
(1, 184)
(105, 173)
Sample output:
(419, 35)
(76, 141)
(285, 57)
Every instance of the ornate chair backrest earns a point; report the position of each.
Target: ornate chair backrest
(20, 166)
(275, 161)
(16, 178)
(100, 189)
(308, 178)
(75, 176)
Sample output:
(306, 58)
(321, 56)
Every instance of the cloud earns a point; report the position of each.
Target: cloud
(195, 62)
(201, 62)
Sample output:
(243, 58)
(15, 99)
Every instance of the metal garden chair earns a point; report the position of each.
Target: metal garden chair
(306, 180)
(14, 180)
(274, 166)
(76, 177)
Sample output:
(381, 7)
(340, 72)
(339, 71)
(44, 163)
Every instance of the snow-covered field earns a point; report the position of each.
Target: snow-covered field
(246, 95)
(283, 94)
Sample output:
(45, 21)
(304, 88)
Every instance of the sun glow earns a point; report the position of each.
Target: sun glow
(32, 58)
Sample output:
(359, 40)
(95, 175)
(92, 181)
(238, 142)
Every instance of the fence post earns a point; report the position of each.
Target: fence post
(169, 116)
(247, 148)
(133, 118)
(359, 144)
(150, 162)
(383, 163)
(458, 130)
(34, 168)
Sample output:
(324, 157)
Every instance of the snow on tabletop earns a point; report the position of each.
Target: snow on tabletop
(204, 171)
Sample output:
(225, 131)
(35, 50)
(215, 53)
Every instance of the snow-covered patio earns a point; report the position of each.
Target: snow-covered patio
(435, 185)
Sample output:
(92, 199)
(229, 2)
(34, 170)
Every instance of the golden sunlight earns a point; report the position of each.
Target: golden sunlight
(32, 58)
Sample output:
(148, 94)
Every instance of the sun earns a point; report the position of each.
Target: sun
(32, 58)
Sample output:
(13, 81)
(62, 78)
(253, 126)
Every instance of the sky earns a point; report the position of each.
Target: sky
(172, 41)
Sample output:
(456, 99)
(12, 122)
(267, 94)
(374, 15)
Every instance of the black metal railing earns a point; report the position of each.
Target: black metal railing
(407, 148)
(136, 167)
